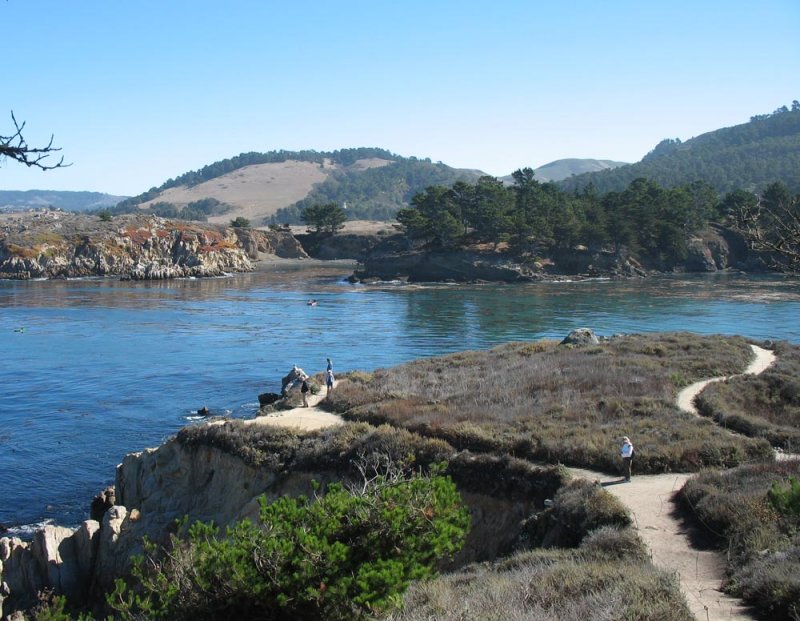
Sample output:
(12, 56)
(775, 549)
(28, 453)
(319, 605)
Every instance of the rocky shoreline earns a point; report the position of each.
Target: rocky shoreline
(53, 244)
(717, 249)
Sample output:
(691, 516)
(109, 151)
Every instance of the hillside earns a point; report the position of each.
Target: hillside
(748, 156)
(275, 186)
(563, 169)
(11, 200)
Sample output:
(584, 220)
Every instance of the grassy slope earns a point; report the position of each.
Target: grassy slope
(543, 401)
(536, 401)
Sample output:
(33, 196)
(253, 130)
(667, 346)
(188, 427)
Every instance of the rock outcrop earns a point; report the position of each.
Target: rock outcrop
(327, 247)
(156, 487)
(64, 245)
(58, 558)
(581, 336)
(715, 248)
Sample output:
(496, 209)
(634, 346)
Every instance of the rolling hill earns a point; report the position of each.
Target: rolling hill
(748, 156)
(275, 186)
(563, 169)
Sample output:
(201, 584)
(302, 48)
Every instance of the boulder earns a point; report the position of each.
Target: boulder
(268, 398)
(21, 578)
(581, 336)
(295, 375)
(699, 256)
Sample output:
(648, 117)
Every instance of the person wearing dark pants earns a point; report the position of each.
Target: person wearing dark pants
(626, 453)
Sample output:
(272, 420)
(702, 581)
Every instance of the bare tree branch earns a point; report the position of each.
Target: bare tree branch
(16, 148)
(773, 230)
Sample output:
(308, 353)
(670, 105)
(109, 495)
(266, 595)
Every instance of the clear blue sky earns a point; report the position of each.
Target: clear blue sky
(138, 92)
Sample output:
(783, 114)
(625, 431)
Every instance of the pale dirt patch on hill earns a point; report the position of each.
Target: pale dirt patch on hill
(254, 191)
(258, 191)
(370, 162)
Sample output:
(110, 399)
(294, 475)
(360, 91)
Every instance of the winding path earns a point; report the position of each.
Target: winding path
(649, 498)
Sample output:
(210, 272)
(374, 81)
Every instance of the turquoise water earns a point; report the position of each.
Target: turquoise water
(93, 369)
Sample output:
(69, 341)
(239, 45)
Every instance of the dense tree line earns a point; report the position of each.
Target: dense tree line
(376, 193)
(750, 156)
(646, 219)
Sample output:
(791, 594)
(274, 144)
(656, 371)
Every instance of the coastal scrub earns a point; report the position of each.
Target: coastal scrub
(562, 404)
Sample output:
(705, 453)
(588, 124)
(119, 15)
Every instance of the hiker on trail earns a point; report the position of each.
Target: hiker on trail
(329, 381)
(304, 391)
(330, 365)
(626, 453)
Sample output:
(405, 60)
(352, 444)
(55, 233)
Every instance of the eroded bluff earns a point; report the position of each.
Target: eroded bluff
(209, 474)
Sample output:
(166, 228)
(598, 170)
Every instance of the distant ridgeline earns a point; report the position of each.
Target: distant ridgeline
(370, 193)
(12, 200)
(748, 156)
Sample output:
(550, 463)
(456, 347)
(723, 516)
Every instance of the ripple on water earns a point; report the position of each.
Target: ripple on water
(107, 367)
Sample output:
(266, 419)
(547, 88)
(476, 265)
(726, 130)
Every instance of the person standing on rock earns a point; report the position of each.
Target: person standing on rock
(304, 391)
(626, 453)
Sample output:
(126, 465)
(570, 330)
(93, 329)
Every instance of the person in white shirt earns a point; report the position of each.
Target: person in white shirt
(626, 452)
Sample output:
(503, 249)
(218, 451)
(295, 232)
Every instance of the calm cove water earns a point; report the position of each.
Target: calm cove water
(93, 369)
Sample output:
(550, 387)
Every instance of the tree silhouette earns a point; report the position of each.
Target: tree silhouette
(16, 148)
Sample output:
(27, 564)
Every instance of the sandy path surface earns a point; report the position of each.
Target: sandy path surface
(650, 500)
(701, 572)
(763, 360)
(304, 419)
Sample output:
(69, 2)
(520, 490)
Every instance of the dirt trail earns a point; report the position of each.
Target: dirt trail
(763, 360)
(649, 498)
(304, 419)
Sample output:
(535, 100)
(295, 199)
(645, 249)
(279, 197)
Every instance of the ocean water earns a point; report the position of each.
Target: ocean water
(93, 369)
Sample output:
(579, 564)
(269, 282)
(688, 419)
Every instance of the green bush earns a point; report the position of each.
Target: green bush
(786, 500)
(345, 554)
(240, 223)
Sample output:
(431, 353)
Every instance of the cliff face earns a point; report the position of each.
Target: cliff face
(156, 487)
(62, 245)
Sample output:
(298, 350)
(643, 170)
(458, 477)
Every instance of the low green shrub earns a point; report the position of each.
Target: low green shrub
(786, 500)
(346, 554)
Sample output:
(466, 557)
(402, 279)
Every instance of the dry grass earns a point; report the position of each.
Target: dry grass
(254, 192)
(553, 584)
(764, 406)
(763, 547)
(555, 403)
